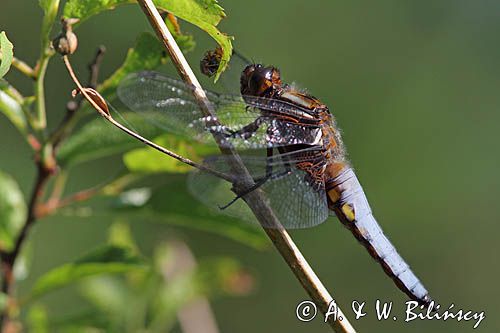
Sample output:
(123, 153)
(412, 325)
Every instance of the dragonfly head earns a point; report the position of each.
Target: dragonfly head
(260, 81)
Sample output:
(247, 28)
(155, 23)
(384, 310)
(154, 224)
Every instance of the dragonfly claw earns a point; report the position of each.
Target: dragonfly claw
(229, 203)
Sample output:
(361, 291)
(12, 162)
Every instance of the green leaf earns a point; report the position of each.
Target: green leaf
(98, 138)
(120, 235)
(172, 204)
(185, 285)
(12, 211)
(3, 301)
(13, 111)
(50, 8)
(147, 54)
(170, 299)
(105, 260)
(6, 53)
(124, 301)
(206, 14)
(37, 319)
(149, 160)
(85, 321)
(23, 262)
(83, 9)
(107, 293)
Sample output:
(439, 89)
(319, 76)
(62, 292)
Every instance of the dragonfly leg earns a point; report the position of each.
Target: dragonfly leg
(246, 131)
(261, 181)
(255, 186)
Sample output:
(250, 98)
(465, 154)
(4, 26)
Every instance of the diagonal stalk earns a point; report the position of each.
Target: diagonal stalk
(256, 199)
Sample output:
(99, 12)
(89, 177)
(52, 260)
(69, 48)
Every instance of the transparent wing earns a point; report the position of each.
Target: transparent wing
(251, 123)
(296, 200)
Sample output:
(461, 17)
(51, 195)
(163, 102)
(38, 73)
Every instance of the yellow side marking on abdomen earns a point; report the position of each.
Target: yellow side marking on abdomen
(348, 212)
(333, 195)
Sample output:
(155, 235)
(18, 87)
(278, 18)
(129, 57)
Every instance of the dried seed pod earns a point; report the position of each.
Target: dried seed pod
(211, 61)
(66, 42)
(96, 98)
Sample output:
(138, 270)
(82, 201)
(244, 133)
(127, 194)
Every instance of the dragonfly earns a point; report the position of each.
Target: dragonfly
(291, 145)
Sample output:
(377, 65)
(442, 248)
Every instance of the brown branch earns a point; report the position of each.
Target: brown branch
(46, 166)
(256, 199)
(8, 258)
(95, 66)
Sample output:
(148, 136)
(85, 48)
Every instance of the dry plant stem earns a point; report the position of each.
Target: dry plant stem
(175, 53)
(68, 122)
(256, 199)
(135, 135)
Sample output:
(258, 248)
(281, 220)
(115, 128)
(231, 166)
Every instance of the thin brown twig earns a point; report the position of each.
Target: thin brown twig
(95, 66)
(51, 206)
(108, 117)
(111, 187)
(255, 199)
(67, 123)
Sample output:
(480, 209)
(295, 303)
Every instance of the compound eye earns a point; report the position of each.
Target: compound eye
(255, 83)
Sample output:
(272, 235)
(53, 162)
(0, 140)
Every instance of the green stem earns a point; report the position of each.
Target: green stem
(22, 101)
(59, 185)
(15, 94)
(41, 115)
(23, 68)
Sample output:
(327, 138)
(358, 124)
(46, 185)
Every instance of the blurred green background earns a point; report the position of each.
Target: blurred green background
(414, 86)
